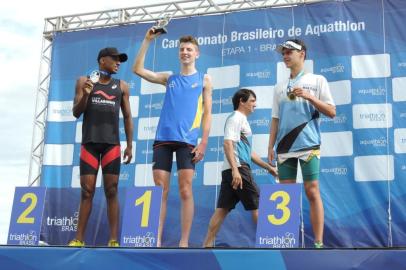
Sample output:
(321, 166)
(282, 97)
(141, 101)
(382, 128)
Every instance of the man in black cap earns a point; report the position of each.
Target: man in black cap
(100, 100)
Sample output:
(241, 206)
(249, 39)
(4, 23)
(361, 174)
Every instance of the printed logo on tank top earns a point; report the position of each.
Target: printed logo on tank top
(103, 99)
(195, 85)
(172, 84)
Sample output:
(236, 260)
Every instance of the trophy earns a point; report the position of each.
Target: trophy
(94, 76)
(160, 25)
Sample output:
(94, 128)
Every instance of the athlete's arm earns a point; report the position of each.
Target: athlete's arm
(323, 107)
(128, 121)
(206, 119)
(139, 66)
(229, 153)
(257, 160)
(82, 91)
(272, 138)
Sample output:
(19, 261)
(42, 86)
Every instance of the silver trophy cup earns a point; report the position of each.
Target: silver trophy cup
(161, 23)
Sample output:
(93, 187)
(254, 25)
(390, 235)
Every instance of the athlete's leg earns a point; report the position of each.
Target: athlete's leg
(110, 182)
(316, 209)
(187, 204)
(214, 226)
(287, 171)
(89, 165)
(110, 161)
(310, 171)
(162, 159)
(161, 178)
(87, 183)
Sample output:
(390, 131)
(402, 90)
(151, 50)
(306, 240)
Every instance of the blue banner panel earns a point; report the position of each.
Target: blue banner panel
(358, 45)
(178, 259)
(26, 216)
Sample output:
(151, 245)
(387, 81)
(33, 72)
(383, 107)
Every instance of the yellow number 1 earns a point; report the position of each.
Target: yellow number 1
(281, 206)
(23, 217)
(146, 200)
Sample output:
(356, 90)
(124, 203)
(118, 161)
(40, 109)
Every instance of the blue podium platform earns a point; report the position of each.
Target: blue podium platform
(67, 258)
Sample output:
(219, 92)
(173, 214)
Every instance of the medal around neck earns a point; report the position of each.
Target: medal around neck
(94, 76)
(290, 94)
(161, 23)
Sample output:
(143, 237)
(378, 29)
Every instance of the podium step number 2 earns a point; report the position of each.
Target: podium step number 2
(26, 216)
(278, 216)
(141, 217)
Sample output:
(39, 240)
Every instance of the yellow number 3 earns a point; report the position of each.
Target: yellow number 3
(23, 217)
(281, 206)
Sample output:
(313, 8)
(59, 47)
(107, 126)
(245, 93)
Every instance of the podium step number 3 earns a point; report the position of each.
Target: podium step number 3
(141, 217)
(278, 216)
(26, 216)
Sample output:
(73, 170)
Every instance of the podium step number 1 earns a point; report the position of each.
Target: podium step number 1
(141, 217)
(26, 216)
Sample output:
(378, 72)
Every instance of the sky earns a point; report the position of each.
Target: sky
(21, 27)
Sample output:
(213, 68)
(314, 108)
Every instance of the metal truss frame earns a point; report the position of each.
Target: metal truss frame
(116, 17)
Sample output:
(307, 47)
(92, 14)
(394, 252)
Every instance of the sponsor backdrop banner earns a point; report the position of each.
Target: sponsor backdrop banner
(359, 46)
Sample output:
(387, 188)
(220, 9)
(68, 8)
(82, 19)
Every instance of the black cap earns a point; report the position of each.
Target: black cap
(111, 51)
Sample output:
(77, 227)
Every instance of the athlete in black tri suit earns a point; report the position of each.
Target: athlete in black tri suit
(100, 104)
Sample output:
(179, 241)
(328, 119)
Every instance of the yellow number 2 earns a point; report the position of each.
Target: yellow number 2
(23, 217)
(281, 206)
(146, 200)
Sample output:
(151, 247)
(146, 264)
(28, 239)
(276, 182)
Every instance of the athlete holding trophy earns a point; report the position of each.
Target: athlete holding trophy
(186, 107)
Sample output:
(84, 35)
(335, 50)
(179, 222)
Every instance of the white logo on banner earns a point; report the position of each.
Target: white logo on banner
(370, 66)
(212, 173)
(225, 77)
(264, 95)
(372, 116)
(374, 168)
(336, 144)
(58, 154)
(283, 72)
(217, 124)
(398, 87)
(339, 68)
(400, 140)
(153, 88)
(377, 142)
(147, 128)
(341, 92)
(284, 241)
(376, 91)
(25, 239)
(143, 175)
(215, 149)
(339, 119)
(134, 106)
(154, 106)
(336, 171)
(60, 111)
(265, 74)
(64, 223)
(223, 101)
